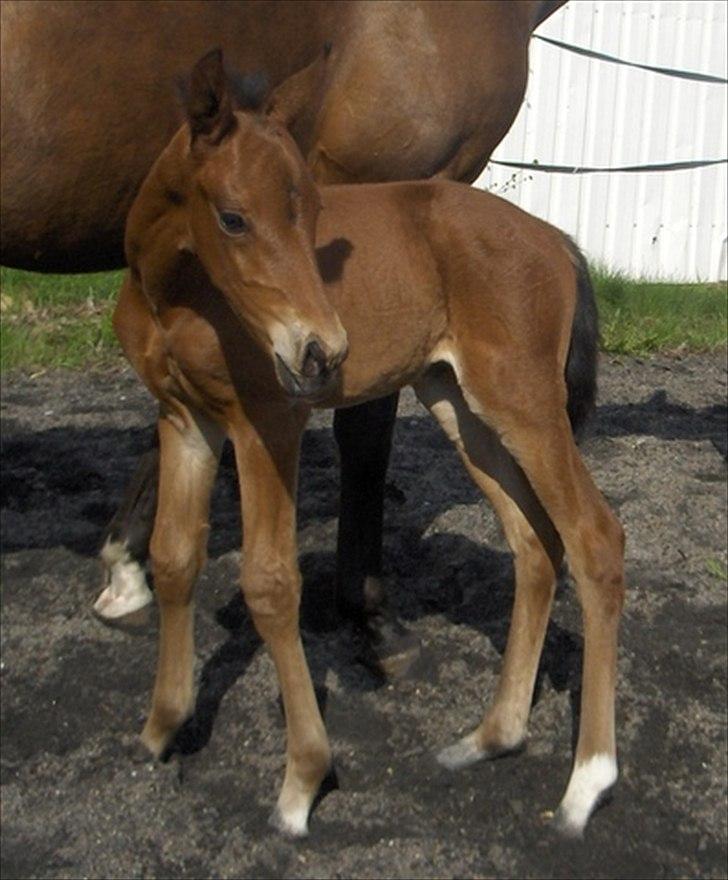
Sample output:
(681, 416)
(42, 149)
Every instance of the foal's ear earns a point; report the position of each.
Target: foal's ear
(209, 103)
(301, 91)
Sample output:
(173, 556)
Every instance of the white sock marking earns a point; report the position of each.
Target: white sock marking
(127, 589)
(293, 822)
(588, 780)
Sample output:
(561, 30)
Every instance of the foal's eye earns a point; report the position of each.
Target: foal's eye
(233, 223)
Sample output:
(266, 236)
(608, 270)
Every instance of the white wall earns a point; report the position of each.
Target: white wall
(586, 112)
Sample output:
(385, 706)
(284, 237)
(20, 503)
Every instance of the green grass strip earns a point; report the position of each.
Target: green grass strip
(51, 321)
(640, 317)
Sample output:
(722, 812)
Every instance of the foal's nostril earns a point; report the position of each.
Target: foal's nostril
(314, 360)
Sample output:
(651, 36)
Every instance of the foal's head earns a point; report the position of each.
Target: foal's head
(248, 207)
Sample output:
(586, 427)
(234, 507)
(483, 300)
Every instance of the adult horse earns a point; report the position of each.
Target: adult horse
(411, 90)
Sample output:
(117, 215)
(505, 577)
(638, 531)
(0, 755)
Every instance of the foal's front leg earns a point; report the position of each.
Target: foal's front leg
(266, 448)
(189, 450)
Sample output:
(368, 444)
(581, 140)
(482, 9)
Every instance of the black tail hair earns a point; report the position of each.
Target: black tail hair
(581, 363)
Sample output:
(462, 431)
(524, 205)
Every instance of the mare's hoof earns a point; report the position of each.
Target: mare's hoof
(390, 649)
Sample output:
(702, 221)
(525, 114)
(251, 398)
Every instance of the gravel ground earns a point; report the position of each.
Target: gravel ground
(78, 801)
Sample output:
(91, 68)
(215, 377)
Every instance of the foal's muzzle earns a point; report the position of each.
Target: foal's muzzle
(316, 371)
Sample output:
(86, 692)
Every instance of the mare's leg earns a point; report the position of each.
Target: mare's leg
(126, 544)
(537, 552)
(364, 437)
(266, 449)
(189, 450)
(526, 407)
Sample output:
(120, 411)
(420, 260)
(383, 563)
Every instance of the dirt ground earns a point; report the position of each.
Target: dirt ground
(78, 801)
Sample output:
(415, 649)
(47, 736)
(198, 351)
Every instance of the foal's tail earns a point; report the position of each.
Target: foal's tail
(581, 363)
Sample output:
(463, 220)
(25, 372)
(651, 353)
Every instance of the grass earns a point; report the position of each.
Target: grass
(51, 321)
(717, 569)
(57, 320)
(639, 317)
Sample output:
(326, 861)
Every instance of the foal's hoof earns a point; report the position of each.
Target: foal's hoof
(294, 824)
(157, 740)
(126, 599)
(590, 786)
(466, 751)
(390, 649)
(461, 754)
(135, 623)
(565, 826)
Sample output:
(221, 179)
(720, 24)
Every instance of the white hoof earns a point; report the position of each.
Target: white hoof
(127, 589)
(590, 780)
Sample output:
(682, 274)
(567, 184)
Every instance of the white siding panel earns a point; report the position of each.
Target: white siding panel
(581, 111)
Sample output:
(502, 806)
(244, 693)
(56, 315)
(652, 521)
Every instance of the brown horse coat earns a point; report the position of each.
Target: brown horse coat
(412, 90)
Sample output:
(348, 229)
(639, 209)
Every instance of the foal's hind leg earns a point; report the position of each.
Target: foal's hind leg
(190, 447)
(527, 409)
(537, 552)
(126, 544)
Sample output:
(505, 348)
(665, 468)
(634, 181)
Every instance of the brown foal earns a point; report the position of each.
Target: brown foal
(239, 324)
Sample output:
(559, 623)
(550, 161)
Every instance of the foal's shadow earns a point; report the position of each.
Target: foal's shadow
(218, 675)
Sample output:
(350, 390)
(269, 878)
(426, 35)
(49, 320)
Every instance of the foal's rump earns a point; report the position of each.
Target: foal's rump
(519, 291)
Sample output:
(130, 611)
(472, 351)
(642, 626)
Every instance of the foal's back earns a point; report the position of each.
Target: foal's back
(409, 264)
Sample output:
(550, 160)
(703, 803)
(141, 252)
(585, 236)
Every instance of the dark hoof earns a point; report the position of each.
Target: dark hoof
(389, 648)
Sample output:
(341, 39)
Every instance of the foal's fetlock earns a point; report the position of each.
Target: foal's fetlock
(387, 646)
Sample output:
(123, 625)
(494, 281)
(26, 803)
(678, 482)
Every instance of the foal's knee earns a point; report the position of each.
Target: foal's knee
(176, 564)
(272, 590)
